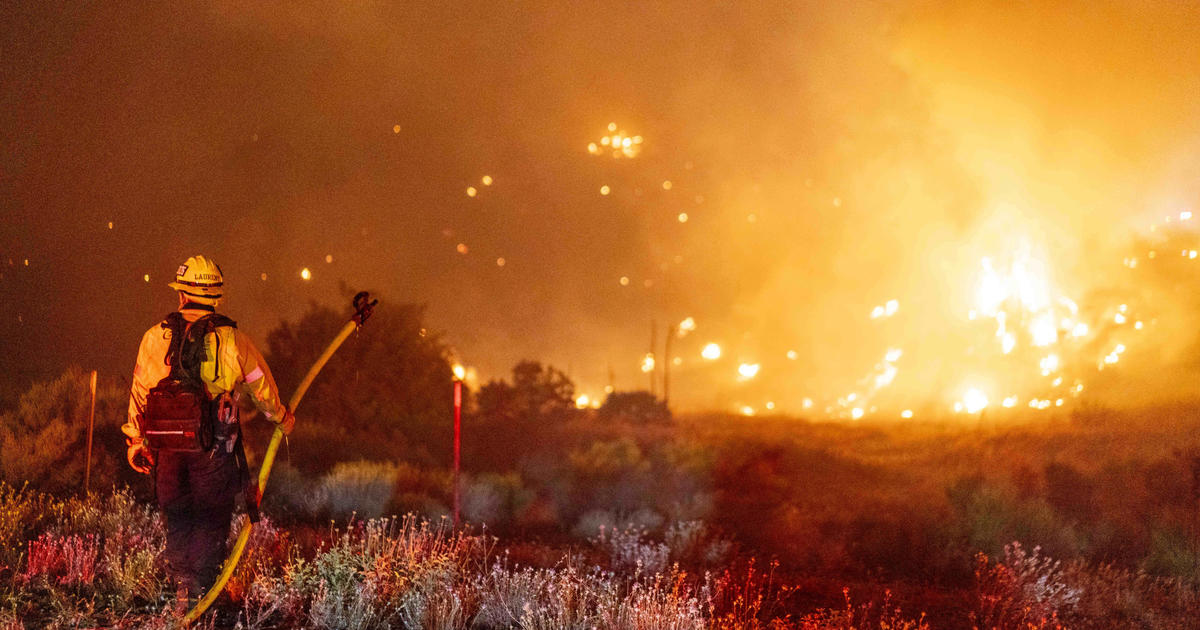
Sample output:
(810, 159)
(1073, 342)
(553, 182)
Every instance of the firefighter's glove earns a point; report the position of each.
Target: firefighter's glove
(288, 421)
(139, 457)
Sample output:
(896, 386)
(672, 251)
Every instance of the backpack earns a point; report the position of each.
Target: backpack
(180, 415)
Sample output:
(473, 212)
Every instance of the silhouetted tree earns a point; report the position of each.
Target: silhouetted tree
(640, 407)
(512, 419)
(542, 390)
(385, 394)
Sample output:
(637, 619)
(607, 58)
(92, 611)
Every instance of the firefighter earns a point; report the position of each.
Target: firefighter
(196, 483)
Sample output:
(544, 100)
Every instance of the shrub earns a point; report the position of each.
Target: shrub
(1070, 492)
(86, 559)
(22, 512)
(44, 439)
(640, 407)
(63, 560)
(694, 543)
(1029, 590)
(992, 516)
(494, 500)
(365, 488)
(1173, 554)
(569, 597)
(862, 616)
(289, 494)
(628, 549)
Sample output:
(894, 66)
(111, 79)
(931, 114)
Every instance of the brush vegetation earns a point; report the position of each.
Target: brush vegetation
(622, 517)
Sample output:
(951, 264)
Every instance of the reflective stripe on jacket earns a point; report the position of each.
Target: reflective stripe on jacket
(240, 361)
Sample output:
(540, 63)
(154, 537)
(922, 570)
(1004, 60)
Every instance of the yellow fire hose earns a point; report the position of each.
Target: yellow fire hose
(362, 310)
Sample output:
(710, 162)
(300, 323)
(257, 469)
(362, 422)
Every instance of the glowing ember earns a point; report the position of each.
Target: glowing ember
(459, 371)
(906, 414)
(471, 192)
(747, 371)
(582, 401)
(620, 144)
(666, 185)
(306, 274)
(604, 190)
(886, 376)
(1049, 364)
(1043, 331)
(711, 352)
(686, 326)
(891, 307)
(974, 401)
(648, 362)
(487, 180)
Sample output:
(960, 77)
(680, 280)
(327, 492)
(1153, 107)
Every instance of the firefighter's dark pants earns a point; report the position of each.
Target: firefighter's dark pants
(196, 495)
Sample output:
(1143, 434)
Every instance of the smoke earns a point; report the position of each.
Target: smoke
(947, 132)
(829, 157)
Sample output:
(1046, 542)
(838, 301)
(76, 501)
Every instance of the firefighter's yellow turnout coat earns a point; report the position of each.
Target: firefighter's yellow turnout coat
(242, 369)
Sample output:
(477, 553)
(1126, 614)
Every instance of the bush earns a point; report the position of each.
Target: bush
(43, 441)
(363, 488)
(104, 547)
(992, 516)
(1173, 554)
(570, 597)
(862, 617)
(494, 500)
(640, 407)
(1030, 590)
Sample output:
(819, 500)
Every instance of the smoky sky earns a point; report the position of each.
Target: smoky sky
(828, 156)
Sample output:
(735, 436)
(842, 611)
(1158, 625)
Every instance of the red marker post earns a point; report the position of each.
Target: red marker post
(457, 435)
(87, 466)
